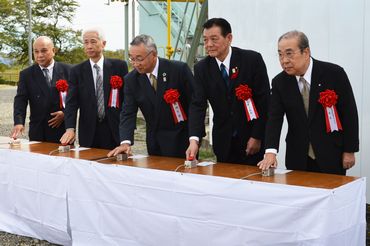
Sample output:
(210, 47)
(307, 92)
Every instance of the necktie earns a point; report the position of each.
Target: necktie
(99, 93)
(225, 75)
(153, 81)
(306, 101)
(47, 76)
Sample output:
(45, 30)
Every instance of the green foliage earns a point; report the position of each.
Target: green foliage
(49, 18)
(74, 56)
(118, 54)
(3, 67)
(206, 154)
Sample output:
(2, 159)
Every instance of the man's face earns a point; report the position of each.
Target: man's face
(141, 59)
(216, 45)
(292, 59)
(93, 45)
(43, 52)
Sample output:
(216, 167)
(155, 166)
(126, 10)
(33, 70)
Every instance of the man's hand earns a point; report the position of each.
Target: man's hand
(17, 130)
(123, 148)
(192, 150)
(268, 161)
(348, 160)
(68, 137)
(57, 119)
(253, 146)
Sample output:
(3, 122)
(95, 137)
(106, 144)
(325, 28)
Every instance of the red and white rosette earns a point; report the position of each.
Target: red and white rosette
(116, 84)
(171, 96)
(328, 99)
(244, 93)
(62, 87)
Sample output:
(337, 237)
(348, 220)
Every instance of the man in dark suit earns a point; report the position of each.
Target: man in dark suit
(96, 89)
(320, 107)
(37, 86)
(161, 89)
(235, 83)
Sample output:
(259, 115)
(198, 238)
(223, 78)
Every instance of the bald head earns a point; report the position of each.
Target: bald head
(43, 51)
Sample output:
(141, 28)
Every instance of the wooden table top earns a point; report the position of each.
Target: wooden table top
(300, 178)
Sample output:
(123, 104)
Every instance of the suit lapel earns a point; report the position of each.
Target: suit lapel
(161, 85)
(296, 94)
(215, 75)
(146, 86)
(234, 64)
(57, 73)
(107, 73)
(41, 80)
(89, 80)
(314, 90)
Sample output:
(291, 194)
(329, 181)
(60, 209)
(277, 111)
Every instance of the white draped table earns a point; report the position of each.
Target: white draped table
(80, 202)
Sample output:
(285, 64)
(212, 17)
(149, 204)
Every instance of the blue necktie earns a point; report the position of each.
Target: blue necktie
(225, 76)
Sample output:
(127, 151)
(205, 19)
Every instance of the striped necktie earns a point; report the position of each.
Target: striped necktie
(47, 76)
(99, 93)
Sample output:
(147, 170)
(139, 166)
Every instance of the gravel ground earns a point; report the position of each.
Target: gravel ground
(7, 94)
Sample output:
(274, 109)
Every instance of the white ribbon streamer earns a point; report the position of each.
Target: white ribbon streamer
(178, 113)
(332, 119)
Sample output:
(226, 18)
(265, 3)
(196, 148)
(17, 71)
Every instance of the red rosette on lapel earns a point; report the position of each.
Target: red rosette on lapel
(234, 73)
(244, 93)
(171, 96)
(62, 87)
(116, 83)
(328, 100)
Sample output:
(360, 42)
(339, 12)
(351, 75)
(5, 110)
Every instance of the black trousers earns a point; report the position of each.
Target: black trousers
(312, 166)
(103, 138)
(238, 155)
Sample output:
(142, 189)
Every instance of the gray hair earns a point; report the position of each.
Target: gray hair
(146, 40)
(302, 38)
(97, 30)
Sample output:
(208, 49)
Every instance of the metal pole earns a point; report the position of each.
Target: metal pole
(29, 32)
(133, 18)
(126, 30)
(169, 47)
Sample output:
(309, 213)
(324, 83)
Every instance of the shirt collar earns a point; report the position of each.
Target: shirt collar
(226, 62)
(155, 70)
(100, 63)
(308, 74)
(50, 67)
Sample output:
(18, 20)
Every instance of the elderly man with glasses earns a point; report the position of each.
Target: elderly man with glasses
(162, 90)
(320, 107)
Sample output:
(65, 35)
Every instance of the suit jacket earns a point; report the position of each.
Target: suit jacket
(229, 114)
(163, 136)
(43, 100)
(302, 129)
(81, 95)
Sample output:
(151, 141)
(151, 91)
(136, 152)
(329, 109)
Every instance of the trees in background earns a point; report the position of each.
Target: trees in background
(51, 18)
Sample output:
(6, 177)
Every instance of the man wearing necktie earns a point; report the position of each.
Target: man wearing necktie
(145, 88)
(315, 141)
(90, 91)
(36, 87)
(236, 138)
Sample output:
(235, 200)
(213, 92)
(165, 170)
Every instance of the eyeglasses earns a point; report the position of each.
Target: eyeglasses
(139, 59)
(288, 54)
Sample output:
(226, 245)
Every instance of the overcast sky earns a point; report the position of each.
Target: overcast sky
(96, 13)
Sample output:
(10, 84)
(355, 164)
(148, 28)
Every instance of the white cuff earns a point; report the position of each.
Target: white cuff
(126, 142)
(272, 151)
(194, 138)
